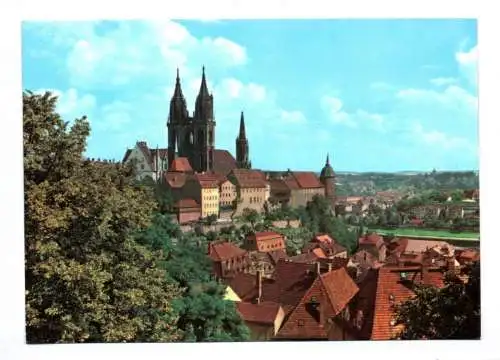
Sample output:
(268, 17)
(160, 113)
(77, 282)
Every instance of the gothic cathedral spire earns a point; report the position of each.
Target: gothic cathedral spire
(242, 157)
(178, 116)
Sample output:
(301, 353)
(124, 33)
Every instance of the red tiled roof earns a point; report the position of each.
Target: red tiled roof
(291, 183)
(319, 253)
(220, 251)
(278, 185)
(305, 258)
(389, 286)
(247, 178)
(323, 238)
(372, 239)
(307, 179)
(186, 203)
(333, 290)
(175, 180)
(266, 235)
(181, 165)
(207, 180)
(224, 162)
(263, 313)
(364, 258)
(277, 255)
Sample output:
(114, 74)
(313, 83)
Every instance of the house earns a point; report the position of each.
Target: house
(361, 263)
(322, 310)
(467, 256)
(303, 186)
(265, 241)
(181, 165)
(147, 162)
(174, 182)
(325, 247)
(251, 189)
(227, 259)
(381, 291)
(265, 261)
(187, 210)
(374, 244)
(263, 319)
(204, 188)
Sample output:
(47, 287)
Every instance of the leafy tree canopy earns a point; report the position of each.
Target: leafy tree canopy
(87, 280)
(452, 312)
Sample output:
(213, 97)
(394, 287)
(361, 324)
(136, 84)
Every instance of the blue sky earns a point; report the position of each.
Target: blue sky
(378, 95)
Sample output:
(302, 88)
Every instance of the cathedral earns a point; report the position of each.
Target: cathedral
(193, 136)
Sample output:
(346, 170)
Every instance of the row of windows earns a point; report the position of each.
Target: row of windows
(251, 190)
(210, 197)
(227, 195)
(211, 205)
(255, 200)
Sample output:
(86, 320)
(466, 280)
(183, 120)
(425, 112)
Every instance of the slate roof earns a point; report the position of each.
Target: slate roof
(247, 178)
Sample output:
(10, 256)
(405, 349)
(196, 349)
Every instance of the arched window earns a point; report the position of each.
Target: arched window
(210, 137)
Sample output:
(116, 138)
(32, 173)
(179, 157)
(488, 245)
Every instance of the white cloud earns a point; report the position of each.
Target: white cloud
(467, 61)
(440, 139)
(333, 107)
(72, 105)
(293, 117)
(453, 97)
(115, 116)
(440, 81)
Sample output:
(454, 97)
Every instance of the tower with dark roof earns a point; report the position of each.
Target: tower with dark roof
(202, 158)
(327, 178)
(192, 137)
(178, 124)
(242, 156)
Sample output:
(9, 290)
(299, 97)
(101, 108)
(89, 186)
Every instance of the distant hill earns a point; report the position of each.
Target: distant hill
(351, 183)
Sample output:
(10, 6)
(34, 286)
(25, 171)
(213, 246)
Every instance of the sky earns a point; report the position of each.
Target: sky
(376, 95)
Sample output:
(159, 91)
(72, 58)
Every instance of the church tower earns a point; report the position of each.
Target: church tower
(202, 156)
(327, 178)
(242, 157)
(179, 138)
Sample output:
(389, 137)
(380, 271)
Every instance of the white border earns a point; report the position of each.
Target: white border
(12, 273)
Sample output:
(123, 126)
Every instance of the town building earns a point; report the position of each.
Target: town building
(251, 189)
(187, 210)
(148, 162)
(204, 189)
(262, 319)
(227, 259)
(265, 241)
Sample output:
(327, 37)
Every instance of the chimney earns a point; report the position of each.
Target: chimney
(318, 268)
(259, 286)
(329, 267)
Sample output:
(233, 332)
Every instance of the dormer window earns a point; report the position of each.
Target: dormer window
(300, 323)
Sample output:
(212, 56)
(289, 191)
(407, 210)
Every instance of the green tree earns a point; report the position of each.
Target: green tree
(453, 312)
(203, 314)
(251, 216)
(87, 280)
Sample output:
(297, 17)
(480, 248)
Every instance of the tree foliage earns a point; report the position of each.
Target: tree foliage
(203, 314)
(452, 312)
(87, 280)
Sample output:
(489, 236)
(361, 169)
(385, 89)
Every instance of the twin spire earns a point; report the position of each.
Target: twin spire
(203, 88)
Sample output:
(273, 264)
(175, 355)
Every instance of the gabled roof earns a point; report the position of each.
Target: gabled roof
(391, 290)
(180, 164)
(323, 238)
(334, 290)
(175, 180)
(319, 253)
(221, 251)
(224, 162)
(372, 239)
(246, 178)
(277, 255)
(263, 313)
(266, 235)
(307, 179)
(186, 203)
(206, 180)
